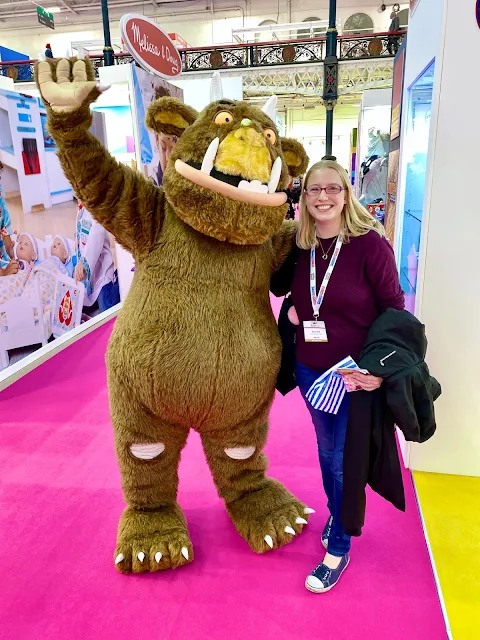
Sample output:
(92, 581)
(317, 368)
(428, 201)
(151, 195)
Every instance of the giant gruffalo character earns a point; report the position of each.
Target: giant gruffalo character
(195, 345)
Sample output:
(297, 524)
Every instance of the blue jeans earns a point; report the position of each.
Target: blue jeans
(331, 430)
(109, 295)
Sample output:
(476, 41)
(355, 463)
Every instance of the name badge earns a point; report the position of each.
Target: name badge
(315, 331)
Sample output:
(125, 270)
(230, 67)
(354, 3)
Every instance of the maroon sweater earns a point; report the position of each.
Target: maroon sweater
(364, 283)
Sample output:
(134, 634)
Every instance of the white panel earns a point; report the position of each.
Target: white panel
(112, 75)
(377, 98)
(59, 187)
(196, 92)
(9, 177)
(449, 300)
(6, 83)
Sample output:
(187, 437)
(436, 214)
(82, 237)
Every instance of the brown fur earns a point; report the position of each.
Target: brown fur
(295, 157)
(169, 106)
(196, 344)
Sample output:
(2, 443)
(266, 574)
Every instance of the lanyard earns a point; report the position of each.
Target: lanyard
(317, 300)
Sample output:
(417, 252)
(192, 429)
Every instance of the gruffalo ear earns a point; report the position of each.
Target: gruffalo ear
(169, 116)
(295, 156)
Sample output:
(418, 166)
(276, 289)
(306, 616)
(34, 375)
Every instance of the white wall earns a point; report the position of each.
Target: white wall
(449, 299)
(196, 91)
(7, 83)
(9, 179)
(194, 27)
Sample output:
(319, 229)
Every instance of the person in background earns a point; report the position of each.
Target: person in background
(8, 265)
(93, 262)
(48, 51)
(293, 191)
(344, 278)
(393, 41)
(165, 145)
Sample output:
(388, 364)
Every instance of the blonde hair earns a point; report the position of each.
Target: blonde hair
(356, 219)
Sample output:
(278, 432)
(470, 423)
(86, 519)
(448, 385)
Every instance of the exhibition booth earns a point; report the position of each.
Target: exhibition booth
(413, 165)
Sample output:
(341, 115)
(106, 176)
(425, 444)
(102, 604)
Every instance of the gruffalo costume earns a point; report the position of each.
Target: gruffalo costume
(195, 345)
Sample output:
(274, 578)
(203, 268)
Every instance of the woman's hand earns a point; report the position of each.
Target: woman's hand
(366, 381)
(79, 273)
(293, 316)
(11, 268)
(9, 246)
(165, 148)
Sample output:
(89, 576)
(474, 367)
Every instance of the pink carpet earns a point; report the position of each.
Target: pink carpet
(59, 505)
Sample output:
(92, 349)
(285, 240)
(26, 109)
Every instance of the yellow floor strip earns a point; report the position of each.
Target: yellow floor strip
(451, 510)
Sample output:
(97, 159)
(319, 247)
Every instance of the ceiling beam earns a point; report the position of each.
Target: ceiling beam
(69, 7)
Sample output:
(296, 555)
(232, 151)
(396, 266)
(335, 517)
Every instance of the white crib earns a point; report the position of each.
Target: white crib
(22, 320)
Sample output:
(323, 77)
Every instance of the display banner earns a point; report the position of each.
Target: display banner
(397, 94)
(392, 188)
(395, 138)
(153, 149)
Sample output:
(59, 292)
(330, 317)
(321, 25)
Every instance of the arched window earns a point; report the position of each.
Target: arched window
(307, 33)
(265, 36)
(403, 17)
(359, 23)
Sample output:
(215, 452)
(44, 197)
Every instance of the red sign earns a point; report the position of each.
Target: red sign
(150, 46)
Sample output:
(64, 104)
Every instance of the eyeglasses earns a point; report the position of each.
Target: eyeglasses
(331, 190)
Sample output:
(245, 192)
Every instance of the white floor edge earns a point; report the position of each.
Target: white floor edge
(15, 371)
(432, 561)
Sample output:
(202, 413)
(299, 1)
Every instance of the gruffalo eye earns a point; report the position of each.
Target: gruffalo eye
(270, 135)
(223, 117)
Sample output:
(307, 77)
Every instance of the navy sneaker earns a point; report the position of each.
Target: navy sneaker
(322, 579)
(326, 532)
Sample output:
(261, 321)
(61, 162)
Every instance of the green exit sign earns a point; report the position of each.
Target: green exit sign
(45, 18)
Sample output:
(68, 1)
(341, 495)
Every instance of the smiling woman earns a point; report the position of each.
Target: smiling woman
(337, 293)
(323, 214)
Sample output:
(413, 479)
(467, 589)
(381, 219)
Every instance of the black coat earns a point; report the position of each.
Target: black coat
(286, 379)
(395, 351)
(280, 285)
